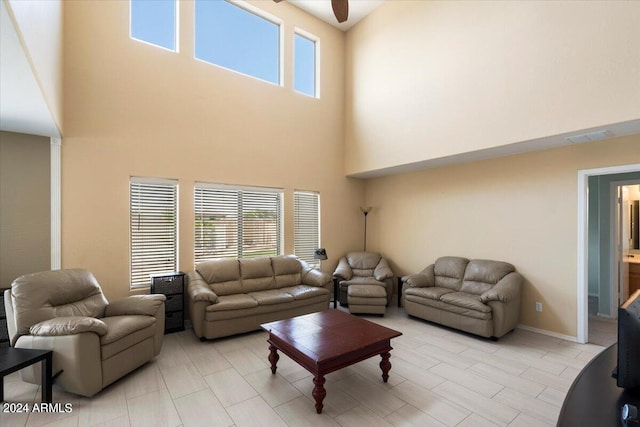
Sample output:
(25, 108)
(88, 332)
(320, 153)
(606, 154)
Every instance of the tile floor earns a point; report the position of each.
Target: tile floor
(602, 331)
(439, 377)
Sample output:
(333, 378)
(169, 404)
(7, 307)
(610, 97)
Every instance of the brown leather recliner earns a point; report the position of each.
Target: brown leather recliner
(94, 342)
(365, 282)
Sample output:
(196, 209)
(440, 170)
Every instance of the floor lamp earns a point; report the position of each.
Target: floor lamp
(365, 210)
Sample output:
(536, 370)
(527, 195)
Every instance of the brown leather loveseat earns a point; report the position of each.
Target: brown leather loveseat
(477, 296)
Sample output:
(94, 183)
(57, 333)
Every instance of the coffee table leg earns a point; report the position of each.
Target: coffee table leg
(273, 358)
(319, 392)
(385, 365)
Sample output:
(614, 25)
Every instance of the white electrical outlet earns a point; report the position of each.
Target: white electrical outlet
(539, 307)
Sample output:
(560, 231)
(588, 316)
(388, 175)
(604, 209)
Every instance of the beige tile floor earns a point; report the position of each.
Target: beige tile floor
(602, 331)
(439, 378)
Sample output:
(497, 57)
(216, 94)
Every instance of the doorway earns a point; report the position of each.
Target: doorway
(597, 212)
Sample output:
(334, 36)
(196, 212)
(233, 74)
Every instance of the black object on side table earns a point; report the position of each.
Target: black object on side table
(14, 359)
(594, 399)
(172, 286)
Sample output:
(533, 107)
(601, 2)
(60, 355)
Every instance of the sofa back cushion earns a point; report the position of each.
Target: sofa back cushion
(222, 275)
(363, 263)
(448, 272)
(256, 274)
(481, 275)
(49, 294)
(287, 270)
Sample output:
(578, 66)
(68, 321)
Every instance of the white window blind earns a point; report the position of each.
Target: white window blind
(154, 228)
(232, 222)
(306, 232)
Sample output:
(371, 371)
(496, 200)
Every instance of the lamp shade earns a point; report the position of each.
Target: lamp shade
(320, 254)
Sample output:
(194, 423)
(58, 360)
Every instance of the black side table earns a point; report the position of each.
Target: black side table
(14, 359)
(400, 283)
(335, 292)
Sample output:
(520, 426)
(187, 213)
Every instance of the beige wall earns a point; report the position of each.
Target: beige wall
(135, 110)
(429, 79)
(521, 209)
(25, 224)
(40, 27)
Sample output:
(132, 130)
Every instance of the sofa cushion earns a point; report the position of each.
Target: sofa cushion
(365, 291)
(270, 297)
(60, 293)
(256, 274)
(287, 270)
(449, 271)
(222, 275)
(482, 275)
(232, 302)
(124, 332)
(121, 326)
(363, 263)
(433, 292)
(362, 281)
(464, 300)
(301, 292)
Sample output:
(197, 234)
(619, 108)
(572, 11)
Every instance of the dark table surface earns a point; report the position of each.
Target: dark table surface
(594, 399)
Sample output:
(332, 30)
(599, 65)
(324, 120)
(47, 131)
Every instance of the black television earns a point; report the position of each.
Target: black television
(627, 372)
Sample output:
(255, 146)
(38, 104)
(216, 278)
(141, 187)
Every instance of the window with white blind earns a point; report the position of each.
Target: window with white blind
(237, 222)
(154, 228)
(306, 232)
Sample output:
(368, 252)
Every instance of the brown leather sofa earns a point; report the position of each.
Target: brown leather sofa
(231, 296)
(365, 282)
(94, 342)
(477, 296)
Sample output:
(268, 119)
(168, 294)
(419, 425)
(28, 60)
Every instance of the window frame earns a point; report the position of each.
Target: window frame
(306, 252)
(134, 281)
(316, 41)
(249, 8)
(239, 190)
(176, 29)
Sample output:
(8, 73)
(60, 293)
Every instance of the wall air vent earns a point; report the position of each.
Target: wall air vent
(591, 136)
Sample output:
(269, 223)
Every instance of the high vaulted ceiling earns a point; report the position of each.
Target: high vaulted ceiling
(358, 9)
(22, 106)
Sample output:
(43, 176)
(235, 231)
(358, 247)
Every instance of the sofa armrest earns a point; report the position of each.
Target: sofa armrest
(199, 290)
(423, 279)
(70, 325)
(343, 270)
(144, 305)
(313, 277)
(383, 271)
(506, 290)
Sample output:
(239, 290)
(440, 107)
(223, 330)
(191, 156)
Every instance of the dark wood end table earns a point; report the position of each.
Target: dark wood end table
(14, 359)
(327, 341)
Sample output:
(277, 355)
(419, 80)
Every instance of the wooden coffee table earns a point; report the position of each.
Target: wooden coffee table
(327, 341)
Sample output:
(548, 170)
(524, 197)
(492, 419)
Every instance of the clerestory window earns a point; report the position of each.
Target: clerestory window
(154, 22)
(240, 37)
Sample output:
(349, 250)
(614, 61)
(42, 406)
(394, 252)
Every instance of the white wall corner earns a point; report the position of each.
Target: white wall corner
(56, 217)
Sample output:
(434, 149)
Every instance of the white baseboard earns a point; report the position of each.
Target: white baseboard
(548, 333)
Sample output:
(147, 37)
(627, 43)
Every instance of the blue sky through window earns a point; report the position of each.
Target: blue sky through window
(154, 21)
(234, 38)
(305, 65)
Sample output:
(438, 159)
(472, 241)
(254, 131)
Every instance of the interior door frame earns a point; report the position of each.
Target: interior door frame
(583, 242)
(614, 233)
